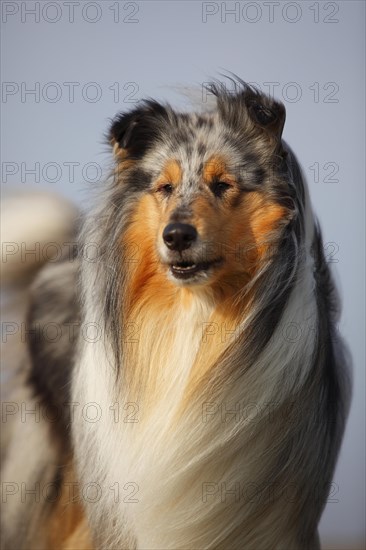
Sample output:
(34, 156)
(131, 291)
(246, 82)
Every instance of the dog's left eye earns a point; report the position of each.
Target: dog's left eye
(219, 188)
(167, 189)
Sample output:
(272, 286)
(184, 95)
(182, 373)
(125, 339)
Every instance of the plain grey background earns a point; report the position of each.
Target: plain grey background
(85, 61)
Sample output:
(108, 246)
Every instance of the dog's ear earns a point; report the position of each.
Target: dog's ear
(250, 105)
(134, 132)
(268, 114)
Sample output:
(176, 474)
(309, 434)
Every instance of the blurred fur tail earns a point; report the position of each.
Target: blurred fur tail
(34, 229)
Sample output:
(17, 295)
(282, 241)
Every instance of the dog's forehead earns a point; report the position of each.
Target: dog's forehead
(192, 142)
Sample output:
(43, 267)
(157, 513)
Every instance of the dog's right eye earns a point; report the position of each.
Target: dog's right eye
(219, 188)
(167, 189)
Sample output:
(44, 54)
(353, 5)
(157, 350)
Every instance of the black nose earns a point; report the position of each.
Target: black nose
(179, 236)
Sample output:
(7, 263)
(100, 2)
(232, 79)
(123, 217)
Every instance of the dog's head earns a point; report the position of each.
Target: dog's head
(209, 193)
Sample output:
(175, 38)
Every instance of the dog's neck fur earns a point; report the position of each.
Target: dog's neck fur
(173, 374)
(179, 334)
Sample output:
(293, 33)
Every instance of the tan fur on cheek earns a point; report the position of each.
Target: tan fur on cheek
(266, 219)
(149, 296)
(140, 238)
(253, 230)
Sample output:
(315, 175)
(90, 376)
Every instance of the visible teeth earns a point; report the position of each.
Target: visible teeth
(191, 266)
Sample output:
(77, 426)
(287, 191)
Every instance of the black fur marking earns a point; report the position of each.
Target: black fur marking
(138, 180)
(137, 130)
(250, 173)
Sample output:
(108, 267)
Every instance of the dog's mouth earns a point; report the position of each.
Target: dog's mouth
(188, 270)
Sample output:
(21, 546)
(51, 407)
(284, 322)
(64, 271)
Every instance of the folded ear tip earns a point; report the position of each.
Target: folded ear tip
(125, 137)
(137, 129)
(268, 114)
(122, 128)
(263, 115)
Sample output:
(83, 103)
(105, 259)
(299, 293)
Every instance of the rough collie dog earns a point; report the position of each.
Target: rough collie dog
(197, 393)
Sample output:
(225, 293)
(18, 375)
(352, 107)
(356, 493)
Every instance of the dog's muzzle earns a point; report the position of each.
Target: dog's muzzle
(184, 264)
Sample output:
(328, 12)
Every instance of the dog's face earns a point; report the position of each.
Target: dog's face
(209, 198)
